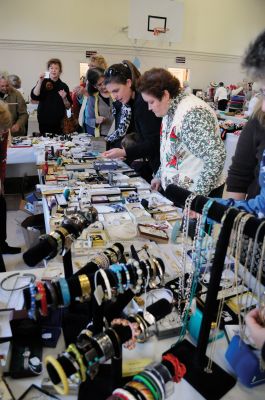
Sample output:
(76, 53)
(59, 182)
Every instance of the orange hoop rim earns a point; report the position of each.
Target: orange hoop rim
(159, 30)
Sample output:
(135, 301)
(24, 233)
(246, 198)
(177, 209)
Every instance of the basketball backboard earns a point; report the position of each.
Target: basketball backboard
(149, 17)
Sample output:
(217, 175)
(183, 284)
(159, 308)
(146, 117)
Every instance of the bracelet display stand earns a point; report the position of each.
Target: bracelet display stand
(2, 264)
(212, 385)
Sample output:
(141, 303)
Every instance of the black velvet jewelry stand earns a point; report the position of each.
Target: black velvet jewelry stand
(212, 385)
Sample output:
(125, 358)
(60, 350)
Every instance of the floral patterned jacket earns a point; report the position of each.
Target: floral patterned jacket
(192, 154)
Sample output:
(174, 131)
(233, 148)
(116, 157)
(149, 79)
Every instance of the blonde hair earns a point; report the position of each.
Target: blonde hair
(5, 117)
(258, 113)
(99, 61)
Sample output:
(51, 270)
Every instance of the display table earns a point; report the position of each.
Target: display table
(236, 120)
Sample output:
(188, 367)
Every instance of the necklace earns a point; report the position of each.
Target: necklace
(197, 262)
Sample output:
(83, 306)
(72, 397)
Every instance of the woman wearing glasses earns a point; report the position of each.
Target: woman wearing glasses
(98, 116)
(192, 153)
(120, 81)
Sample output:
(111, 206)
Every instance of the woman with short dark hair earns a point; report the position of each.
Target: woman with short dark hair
(54, 98)
(192, 154)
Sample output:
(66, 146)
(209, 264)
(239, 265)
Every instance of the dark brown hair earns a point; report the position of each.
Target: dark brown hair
(156, 81)
(55, 61)
(119, 73)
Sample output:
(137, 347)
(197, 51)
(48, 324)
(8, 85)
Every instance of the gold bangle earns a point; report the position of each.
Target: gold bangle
(73, 349)
(85, 286)
(64, 389)
(63, 231)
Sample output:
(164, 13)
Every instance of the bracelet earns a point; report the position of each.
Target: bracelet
(151, 374)
(106, 282)
(128, 278)
(52, 292)
(43, 299)
(64, 389)
(32, 276)
(117, 268)
(105, 344)
(123, 394)
(112, 256)
(85, 286)
(139, 273)
(143, 379)
(72, 360)
(165, 377)
(57, 236)
(141, 389)
(73, 349)
(117, 251)
(179, 368)
(101, 260)
(65, 291)
(116, 343)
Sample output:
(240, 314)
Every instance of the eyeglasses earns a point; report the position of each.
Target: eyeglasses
(99, 85)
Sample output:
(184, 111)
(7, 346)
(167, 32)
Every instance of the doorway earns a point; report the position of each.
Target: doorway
(183, 74)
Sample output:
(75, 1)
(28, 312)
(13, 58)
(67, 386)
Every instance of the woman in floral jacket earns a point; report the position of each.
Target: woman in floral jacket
(192, 154)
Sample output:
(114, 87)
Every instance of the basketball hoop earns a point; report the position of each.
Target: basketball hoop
(157, 31)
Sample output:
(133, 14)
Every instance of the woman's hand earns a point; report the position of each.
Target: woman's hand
(155, 184)
(257, 331)
(114, 153)
(62, 93)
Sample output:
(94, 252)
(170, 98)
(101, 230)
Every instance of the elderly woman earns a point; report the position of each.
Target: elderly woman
(5, 125)
(54, 98)
(192, 154)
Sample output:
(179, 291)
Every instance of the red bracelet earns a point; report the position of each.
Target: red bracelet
(42, 297)
(179, 368)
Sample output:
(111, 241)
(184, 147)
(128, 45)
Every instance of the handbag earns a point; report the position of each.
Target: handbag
(69, 124)
(245, 363)
(130, 139)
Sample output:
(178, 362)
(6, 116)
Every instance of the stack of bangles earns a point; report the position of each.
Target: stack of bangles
(154, 383)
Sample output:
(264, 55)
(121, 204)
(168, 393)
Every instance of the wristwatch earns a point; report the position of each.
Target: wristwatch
(26, 355)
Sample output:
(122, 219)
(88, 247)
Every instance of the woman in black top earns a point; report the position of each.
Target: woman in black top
(121, 83)
(53, 97)
(242, 180)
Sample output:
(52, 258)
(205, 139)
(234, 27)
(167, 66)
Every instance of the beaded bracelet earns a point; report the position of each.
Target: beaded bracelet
(32, 310)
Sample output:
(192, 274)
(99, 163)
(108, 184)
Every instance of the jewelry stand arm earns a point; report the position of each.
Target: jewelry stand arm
(67, 264)
(2, 264)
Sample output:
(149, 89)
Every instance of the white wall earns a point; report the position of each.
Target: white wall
(214, 37)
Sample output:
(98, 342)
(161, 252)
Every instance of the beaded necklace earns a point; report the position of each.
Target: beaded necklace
(197, 262)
